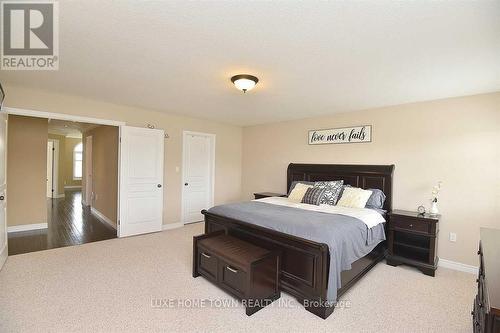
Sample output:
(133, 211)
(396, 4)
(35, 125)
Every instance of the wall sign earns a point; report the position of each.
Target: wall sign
(356, 134)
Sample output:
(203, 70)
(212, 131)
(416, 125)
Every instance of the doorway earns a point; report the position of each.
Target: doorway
(52, 168)
(87, 198)
(198, 175)
(138, 174)
(61, 218)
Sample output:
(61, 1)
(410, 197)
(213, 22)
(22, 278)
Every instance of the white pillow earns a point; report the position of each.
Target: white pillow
(354, 197)
(298, 192)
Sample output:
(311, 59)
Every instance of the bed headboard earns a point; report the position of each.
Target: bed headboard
(363, 176)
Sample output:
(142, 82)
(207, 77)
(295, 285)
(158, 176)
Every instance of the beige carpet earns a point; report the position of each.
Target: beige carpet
(109, 286)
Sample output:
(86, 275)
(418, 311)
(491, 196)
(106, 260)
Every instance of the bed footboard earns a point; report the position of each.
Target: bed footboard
(304, 264)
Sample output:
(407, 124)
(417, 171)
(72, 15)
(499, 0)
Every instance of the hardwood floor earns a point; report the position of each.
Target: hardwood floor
(69, 223)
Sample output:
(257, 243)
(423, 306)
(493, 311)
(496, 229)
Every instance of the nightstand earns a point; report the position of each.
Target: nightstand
(268, 194)
(413, 240)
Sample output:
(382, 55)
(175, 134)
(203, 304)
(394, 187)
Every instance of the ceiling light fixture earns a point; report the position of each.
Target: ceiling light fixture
(244, 82)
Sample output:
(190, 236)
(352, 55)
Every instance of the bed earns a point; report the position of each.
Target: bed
(306, 264)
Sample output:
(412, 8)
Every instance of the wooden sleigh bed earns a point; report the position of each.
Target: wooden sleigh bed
(304, 263)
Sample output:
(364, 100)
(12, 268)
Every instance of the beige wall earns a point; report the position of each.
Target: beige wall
(453, 140)
(27, 170)
(104, 170)
(228, 142)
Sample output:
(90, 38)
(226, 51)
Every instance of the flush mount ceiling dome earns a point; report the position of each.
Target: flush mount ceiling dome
(244, 82)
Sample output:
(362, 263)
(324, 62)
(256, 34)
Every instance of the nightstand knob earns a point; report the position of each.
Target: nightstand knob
(411, 225)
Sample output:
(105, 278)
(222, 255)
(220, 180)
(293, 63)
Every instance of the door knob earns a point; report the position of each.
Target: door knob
(186, 184)
(159, 185)
(2, 198)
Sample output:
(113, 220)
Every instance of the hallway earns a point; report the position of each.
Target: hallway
(69, 223)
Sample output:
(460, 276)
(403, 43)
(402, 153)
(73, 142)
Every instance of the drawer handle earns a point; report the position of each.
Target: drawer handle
(232, 269)
(411, 225)
(206, 255)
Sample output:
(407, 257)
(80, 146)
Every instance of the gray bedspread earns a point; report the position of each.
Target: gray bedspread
(348, 238)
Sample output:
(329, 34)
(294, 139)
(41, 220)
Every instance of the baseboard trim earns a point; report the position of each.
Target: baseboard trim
(72, 187)
(171, 226)
(27, 227)
(457, 266)
(102, 217)
(3, 255)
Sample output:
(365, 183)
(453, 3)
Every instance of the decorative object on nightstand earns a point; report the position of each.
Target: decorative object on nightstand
(261, 195)
(413, 240)
(434, 199)
(421, 210)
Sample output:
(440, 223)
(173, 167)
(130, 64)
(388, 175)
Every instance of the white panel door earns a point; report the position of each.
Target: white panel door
(197, 175)
(50, 169)
(3, 189)
(141, 181)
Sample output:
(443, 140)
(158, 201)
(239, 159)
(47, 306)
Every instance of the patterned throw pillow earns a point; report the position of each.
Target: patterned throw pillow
(332, 191)
(313, 195)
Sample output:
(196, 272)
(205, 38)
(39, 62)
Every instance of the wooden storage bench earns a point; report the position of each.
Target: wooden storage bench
(248, 272)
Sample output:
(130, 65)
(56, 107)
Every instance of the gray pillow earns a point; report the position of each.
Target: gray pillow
(313, 195)
(332, 191)
(342, 190)
(376, 200)
(295, 182)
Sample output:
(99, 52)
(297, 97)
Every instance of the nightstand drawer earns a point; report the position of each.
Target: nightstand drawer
(410, 224)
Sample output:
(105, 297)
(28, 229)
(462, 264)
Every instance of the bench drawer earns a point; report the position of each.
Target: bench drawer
(242, 269)
(233, 278)
(207, 263)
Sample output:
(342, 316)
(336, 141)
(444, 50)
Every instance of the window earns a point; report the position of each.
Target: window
(78, 161)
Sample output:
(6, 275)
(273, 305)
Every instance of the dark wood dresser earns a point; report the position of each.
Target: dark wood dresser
(413, 240)
(486, 311)
(246, 271)
(261, 195)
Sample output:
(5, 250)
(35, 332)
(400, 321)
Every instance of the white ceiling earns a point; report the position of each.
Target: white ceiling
(312, 58)
(70, 129)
